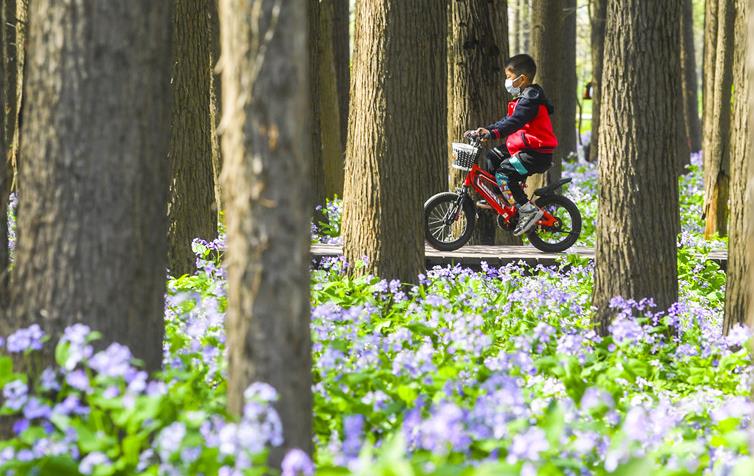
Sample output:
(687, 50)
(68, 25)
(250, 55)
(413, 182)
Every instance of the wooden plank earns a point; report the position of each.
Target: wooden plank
(473, 255)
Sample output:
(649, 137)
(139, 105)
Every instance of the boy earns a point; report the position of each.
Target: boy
(530, 140)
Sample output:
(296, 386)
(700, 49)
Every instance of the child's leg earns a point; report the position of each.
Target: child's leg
(511, 176)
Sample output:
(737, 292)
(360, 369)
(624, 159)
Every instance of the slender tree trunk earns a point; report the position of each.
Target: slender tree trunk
(333, 156)
(690, 86)
(749, 209)
(342, 45)
(92, 222)
(7, 113)
(709, 62)
(737, 298)
(526, 26)
(598, 9)
(717, 120)
(515, 28)
(554, 50)
(22, 43)
(390, 128)
(266, 106)
(317, 165)
(215, 101)
(636, 242)
(191, 206)
(476, 93)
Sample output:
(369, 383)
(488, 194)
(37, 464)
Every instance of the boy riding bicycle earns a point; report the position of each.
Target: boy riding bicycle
(530, 140)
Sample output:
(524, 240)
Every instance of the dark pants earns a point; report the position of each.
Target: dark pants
(514, 170)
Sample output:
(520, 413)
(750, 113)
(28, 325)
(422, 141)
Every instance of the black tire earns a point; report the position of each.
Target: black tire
(564, 208)
(436, 207)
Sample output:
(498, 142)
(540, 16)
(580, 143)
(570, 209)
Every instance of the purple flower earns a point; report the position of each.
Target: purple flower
(15, 394)
(297, 463)
(261, 392)
(36, 409)
(25, 339)
(113, 361)
(527, 446)
(78, 380)
(353, 427)
(91, 461)
(48, 380)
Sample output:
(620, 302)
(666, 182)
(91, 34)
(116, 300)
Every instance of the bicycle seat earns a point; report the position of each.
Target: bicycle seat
(552, 187)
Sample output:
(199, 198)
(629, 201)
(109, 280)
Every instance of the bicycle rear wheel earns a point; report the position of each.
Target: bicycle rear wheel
(566, 230)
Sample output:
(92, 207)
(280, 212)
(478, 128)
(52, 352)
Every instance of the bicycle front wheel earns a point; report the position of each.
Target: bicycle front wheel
(448, 221)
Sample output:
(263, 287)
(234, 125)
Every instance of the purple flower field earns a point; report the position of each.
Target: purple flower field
(489, 372)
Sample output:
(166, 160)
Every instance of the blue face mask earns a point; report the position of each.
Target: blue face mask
(514, 91)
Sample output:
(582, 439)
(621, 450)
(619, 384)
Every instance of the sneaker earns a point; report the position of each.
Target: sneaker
(528, 215)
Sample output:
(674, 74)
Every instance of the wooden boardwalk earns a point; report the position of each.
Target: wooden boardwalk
(473, 255)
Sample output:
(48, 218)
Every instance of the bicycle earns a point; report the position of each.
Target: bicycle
(449, 217)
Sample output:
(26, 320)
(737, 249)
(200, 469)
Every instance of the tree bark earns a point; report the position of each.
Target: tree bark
(598, 9)
(266, 106)
(92, 221)
(515, 28)
(333, 155)
(476, 94)
(390, 137)
(215, 101)
(737, 298)
(7, 113)
(342, 45)
(554, 50)
(717, 120)
(317, 165)
(638, 209)
(192, 209)
(690, 85)
(526, 26)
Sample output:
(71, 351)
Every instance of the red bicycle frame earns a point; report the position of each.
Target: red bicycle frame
(485, 185)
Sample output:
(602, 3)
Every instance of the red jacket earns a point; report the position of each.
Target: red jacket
(527, 124)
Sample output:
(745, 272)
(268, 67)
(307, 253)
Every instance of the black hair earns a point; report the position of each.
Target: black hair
(522, 64)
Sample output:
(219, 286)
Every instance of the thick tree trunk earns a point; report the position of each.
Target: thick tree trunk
(476, 94)
(191, 206)
(333, 155)
(266, 106)
(598, 9)
(690, 85)
(92, 222)
(638, 210)
(554, 50)
(317, 166)
(737, 298)
(390, 137)
(342, 45)
(709, 62)
(717, 122)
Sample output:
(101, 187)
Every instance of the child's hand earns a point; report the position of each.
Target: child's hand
(483, 133)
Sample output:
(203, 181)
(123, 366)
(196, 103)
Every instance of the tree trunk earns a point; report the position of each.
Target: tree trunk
(526, 26)
(268, 206)
(191, 206)
(215, 101)
(709, 47)
(317, 166)
(690, 86)
(749, 209)
(333, 156)
(717, 123)
(7, 115)
(342, 46)
(22, 42)
(515, 28)
(394, 138)
(477, 93)
(598, 9)
(737, 298)
(638, 210)
(554, 50)
(92, 221)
